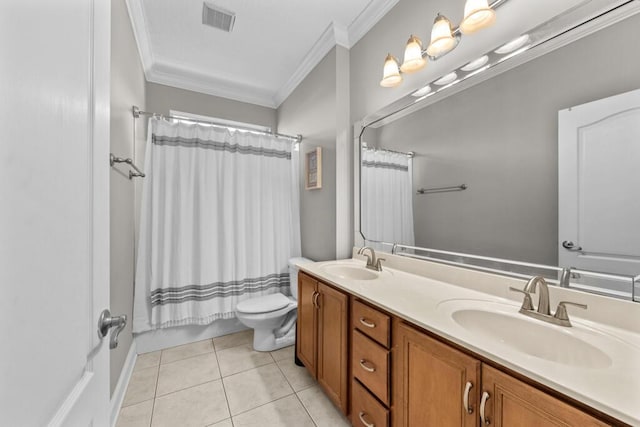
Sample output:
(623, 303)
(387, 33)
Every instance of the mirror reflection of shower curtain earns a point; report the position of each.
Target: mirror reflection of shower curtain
(387, 198)
(219, 221)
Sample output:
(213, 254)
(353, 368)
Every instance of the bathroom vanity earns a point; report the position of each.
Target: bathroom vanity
(422, 344)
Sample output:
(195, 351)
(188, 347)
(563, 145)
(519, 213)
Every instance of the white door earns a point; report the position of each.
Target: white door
(54, 205)
(599, 186)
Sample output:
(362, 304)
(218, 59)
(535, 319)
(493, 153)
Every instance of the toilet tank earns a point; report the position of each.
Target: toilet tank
(293, 274)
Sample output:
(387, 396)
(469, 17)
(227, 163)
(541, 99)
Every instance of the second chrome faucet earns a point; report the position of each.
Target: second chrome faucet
(542, 312)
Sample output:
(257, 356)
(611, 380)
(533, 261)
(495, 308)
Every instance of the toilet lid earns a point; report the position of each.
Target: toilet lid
(263, 304)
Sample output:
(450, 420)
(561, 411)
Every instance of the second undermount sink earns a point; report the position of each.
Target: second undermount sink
(350, 272)
(503, 324)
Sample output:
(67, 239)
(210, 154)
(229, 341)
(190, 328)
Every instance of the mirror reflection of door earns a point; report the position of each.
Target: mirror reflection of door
(599, 185)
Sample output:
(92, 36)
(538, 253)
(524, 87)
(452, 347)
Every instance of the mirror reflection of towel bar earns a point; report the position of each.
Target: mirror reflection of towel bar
(442, 189)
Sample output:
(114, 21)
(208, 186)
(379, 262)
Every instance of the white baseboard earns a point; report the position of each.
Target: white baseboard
(170, 337)
(121, 387)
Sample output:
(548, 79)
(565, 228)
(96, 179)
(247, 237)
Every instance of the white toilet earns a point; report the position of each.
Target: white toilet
(273, 317)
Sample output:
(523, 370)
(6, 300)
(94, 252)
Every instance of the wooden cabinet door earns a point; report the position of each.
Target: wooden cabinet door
(430, 379)
(307, 323)
(333, 326)
(511, 402)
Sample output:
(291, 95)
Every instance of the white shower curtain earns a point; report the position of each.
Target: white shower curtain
(219, 221)
(387, 197)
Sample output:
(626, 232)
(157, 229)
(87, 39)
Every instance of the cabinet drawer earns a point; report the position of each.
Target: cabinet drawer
(371, 322)
(370, 364)
(365, 409)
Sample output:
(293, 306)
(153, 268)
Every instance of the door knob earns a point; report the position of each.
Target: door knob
(570, 246)
(106, 322)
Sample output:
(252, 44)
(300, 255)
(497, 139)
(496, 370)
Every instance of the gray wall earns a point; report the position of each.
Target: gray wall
(500, 138)
(311, 111)
(161, 99)
(127, 89)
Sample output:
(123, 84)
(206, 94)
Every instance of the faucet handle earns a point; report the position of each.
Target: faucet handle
(379, 265)
(561, 311)
(527, 304)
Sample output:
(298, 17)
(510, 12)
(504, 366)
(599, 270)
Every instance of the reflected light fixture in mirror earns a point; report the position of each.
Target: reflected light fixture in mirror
(477, 15)
(446, 79)
(514, 44)
(476, 63)
(422, 91)
(442, 38)
(391, 76)
(413, 60)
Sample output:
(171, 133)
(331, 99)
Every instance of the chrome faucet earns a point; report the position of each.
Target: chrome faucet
(542, 312)
(373, 263)
(538, 282)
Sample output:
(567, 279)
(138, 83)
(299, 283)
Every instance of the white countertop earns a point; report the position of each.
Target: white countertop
(613, 389)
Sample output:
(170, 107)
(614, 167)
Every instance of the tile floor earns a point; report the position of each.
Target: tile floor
(224, 383)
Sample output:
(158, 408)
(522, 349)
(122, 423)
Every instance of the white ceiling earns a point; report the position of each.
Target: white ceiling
(273, 45)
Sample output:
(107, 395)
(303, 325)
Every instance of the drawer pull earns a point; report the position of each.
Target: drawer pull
(316, 294)
(465, 400)
(366, 323)
(483, 403)
(363, 421)
(363, 364)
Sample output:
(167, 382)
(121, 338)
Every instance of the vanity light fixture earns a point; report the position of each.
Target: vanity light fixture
(478, 14)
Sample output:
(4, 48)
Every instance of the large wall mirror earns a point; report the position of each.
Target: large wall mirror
(539, 164)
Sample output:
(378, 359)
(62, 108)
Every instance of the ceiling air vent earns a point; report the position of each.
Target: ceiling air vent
(217, 17)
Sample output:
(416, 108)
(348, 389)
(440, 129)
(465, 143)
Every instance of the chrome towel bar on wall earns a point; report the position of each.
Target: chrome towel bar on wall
(442, 189)
(138, 173)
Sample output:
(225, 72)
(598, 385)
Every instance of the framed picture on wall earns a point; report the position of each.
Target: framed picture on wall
(313, 169)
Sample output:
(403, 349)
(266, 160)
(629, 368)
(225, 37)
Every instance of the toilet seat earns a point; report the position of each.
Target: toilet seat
(263, 304)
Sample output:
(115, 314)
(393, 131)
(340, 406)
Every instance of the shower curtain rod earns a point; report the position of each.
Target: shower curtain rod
(408, 153)
(137, 113)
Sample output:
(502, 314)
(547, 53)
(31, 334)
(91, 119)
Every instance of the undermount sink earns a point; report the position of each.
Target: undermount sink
(503, 324)
(350, 272)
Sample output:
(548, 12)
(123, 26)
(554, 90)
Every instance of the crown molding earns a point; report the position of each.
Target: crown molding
(369, 17)
(332, 35)
(176, 76)
(138, 22)
(321, 47)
